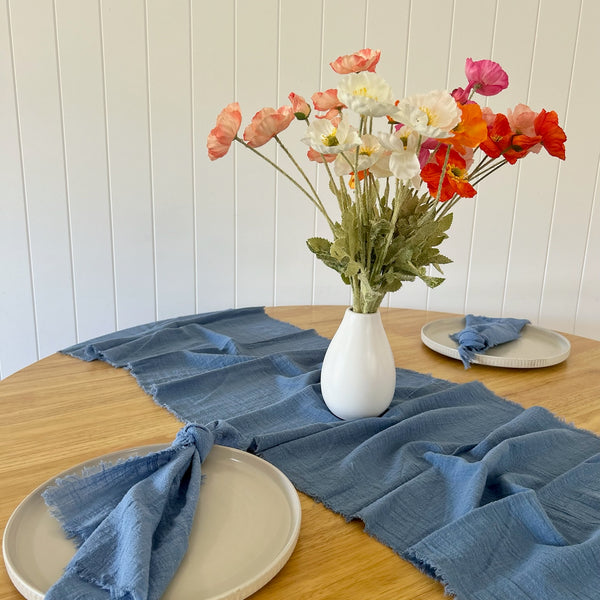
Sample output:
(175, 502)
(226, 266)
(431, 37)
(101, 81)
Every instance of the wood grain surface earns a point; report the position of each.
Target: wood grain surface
(61, 411)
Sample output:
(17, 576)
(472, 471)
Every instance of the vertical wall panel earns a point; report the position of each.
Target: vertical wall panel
(171, 146)
(38, 97)
(472, 37)
(533, 219)
(391, 37)
(495, 201)
(427, 67)
(18, 343)
(82, 86)
(214, 182)
(257, 75)
(300, 65)
(577, 176)
(588, 323)
(344, 33)
(125, 68)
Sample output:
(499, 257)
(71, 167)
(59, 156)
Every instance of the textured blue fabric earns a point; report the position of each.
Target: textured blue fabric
(131, 521)
(482, 333)
(496, 501)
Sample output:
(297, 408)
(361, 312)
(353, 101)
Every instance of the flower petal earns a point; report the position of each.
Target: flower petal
(222, 135)
(366, 94)
(266, 124)
(363, 60)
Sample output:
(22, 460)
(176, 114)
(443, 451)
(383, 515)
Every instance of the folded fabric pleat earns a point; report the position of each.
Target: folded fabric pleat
(482, 333)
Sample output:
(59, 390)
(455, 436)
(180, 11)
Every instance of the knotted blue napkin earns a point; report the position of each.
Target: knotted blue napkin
(131, 521)
(482, 333)
(496, 501)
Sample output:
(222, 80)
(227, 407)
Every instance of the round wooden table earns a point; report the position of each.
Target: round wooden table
(61, 411)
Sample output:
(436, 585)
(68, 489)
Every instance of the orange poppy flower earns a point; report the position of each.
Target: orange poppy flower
(472, 129)
(361, 176)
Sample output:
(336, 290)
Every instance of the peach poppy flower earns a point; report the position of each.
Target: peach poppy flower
(221, 137)
(320, 158)
(266, 124)
(363, 60)
(327, 100)
(300, 106)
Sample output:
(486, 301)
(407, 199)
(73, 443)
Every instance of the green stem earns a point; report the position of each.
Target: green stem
(300, 169)
(390, 236)
(447, 206)
(489, 171)
(331, 178)
(443, 173)
(483, 164)
(320, 205)
(315, 201)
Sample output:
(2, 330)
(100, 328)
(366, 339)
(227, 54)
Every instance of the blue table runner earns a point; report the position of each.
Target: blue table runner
(496, 501)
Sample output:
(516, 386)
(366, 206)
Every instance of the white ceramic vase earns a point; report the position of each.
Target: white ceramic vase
(358, 376)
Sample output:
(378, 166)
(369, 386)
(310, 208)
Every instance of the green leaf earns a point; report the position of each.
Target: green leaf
(318, 245)
(432, 281)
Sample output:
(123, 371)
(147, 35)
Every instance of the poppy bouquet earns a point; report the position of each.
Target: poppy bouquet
(396, 182)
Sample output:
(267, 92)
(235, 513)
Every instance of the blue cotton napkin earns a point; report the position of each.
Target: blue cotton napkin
(131, 521)
(494, 500)
(482, 333)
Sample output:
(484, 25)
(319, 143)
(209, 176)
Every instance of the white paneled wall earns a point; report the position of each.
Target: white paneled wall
(112, 215)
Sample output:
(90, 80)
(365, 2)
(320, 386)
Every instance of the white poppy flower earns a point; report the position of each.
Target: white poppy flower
(381, 168)
(369, 153)
(403, 161)
(434, 114)
(366, 94)
(328, 138)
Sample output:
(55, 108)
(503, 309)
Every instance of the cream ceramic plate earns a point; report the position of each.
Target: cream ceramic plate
(245, 529)
(536, 347)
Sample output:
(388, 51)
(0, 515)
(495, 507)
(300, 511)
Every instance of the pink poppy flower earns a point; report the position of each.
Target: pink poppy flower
(267, 123)
(363, 60)
(221, 137)
(486, 77)
(327, 100)
(488, 115)
(461, 96)
(521, 119)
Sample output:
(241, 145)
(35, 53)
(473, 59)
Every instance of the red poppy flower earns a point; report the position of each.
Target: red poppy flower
(503, 141)
(553, 137)
(455, 178)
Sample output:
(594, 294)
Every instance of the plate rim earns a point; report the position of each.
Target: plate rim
(451, 350)
(240, 591)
